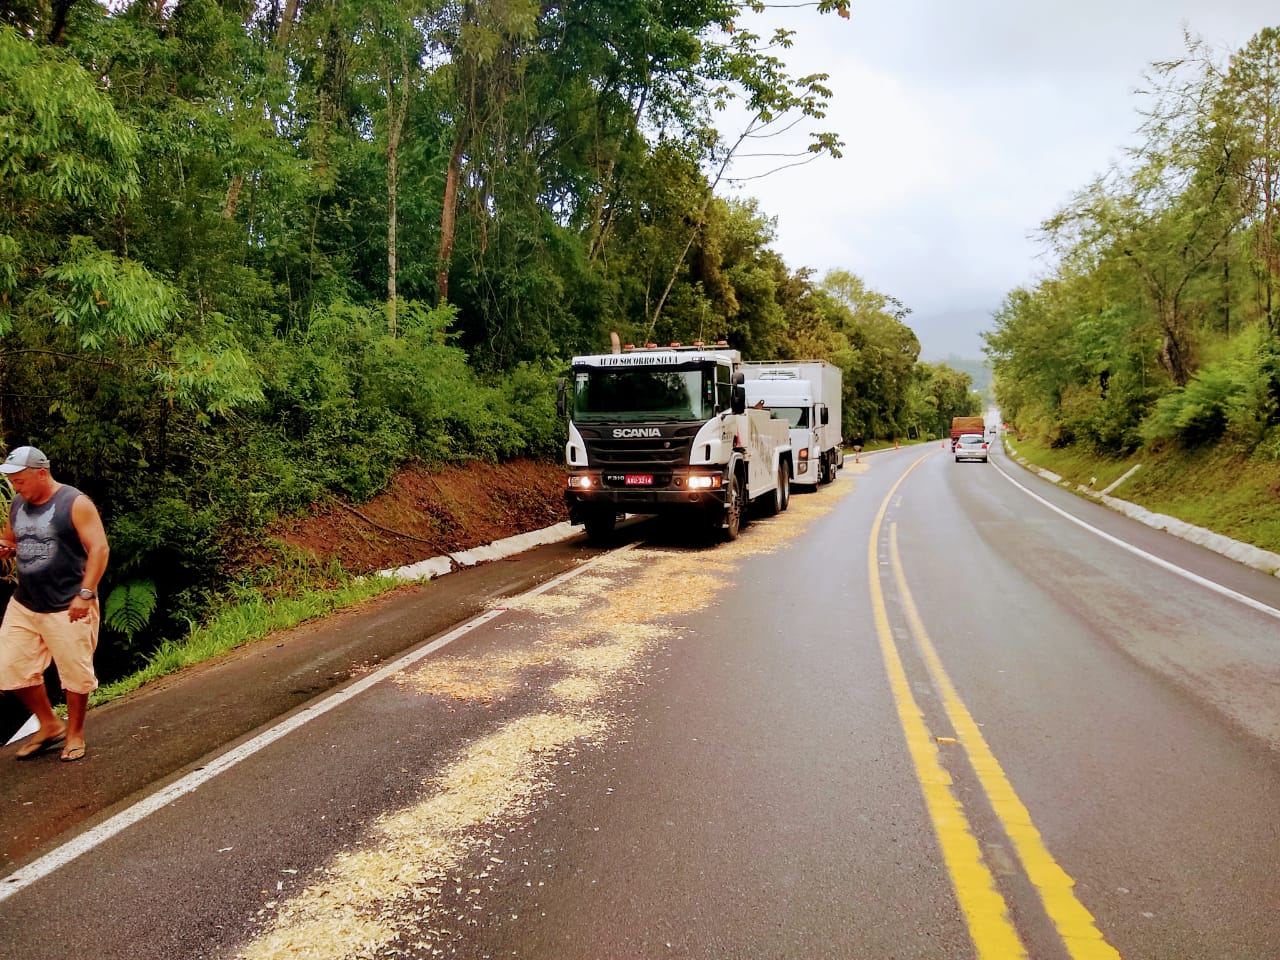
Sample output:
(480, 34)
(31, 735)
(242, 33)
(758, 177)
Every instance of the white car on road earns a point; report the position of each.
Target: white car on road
(971, 446)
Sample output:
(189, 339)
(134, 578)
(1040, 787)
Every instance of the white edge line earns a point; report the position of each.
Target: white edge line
(28, 728)
(1137, 551)
(60, 856)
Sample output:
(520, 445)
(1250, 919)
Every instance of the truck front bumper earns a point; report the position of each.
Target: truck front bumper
(595, 490)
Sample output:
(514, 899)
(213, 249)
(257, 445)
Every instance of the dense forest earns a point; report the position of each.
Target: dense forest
(1159, 323)
(257, 254)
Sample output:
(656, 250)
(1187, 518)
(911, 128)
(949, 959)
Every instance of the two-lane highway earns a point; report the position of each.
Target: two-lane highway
(920, 714)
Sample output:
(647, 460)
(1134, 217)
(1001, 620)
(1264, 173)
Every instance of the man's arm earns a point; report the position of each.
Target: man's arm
(88, 524)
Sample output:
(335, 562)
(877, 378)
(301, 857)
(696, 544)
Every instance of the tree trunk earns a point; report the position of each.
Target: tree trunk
(58, 25)
(393, 177)
(1173, 352)
(1226, 296)
(449, 214)
(601, 216)
(396, 113)
(233, 197)
(286, 22)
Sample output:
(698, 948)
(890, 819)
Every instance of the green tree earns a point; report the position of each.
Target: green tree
(1249, 108)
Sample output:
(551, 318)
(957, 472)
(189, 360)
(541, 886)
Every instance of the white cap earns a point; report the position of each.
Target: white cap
(24, 458)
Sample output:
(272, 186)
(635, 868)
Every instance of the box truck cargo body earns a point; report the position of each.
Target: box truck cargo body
(807, 394)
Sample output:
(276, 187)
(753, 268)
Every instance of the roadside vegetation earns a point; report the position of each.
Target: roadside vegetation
(1155, 336)
(259, 256)
(238, 622)
(1212, 488)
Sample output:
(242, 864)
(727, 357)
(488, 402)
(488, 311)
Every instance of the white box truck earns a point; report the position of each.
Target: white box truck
(807, 394)
(667, 431)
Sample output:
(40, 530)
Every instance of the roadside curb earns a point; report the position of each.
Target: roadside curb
(1262, 560)
(438, 566)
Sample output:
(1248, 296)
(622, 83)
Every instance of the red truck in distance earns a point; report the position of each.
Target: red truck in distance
(961, 425)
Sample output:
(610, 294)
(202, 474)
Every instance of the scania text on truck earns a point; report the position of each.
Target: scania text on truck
(665, 431)
(807, 394)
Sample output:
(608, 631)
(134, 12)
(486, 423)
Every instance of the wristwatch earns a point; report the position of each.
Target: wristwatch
(85, 593)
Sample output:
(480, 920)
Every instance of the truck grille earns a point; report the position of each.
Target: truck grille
(639, 454)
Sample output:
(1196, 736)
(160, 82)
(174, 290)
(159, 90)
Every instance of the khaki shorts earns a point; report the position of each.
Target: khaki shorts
(29, 641)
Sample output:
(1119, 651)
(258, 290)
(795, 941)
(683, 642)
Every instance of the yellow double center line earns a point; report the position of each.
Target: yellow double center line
(985, 909)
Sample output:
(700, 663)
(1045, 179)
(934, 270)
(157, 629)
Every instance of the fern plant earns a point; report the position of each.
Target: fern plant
(129, 607)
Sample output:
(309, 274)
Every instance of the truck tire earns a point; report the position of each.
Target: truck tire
(824, 470)
(736, 512)
(786, 485)
(776, 503)
(600, 525)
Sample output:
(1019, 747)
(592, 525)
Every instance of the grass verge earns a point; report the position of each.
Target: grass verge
(1222, 490)
(252, 618)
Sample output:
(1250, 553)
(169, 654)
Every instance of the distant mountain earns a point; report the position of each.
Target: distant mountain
(952, 333)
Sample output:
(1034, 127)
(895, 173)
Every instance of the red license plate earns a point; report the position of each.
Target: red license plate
(639, 480)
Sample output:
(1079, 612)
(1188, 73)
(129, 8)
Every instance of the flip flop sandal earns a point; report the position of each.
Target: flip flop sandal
(37, 747)
(72, 753)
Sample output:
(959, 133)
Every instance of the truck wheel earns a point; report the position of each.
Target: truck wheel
(600, 525)
(778, 502)
(786, 485)
(824, 470)
(733, 516)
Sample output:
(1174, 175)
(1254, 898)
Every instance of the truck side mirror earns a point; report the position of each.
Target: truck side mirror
(826, 415)
(739, 398)
(562, 402)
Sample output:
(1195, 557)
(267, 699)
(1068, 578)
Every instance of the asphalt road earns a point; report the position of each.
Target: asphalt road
(919, 715)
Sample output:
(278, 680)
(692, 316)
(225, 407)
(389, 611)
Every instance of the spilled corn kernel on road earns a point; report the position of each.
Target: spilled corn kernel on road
(600, 630)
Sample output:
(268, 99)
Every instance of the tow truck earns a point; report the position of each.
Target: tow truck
(666, 431)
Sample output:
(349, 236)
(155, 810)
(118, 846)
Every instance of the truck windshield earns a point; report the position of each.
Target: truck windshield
(795, 416)
(636, 394)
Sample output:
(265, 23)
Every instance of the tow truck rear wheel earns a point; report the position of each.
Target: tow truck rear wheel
(599, 525)
(778, 502)
(786, 485)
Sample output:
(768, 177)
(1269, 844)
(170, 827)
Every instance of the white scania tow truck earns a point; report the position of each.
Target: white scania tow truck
(666, 431)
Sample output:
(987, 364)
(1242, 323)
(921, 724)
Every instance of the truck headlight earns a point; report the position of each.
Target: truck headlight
(579, 482)
(704, 482)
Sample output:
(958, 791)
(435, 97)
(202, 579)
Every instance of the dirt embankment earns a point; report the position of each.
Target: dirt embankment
(427, 512)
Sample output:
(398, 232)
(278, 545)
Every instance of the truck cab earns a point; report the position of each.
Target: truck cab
(666, 431)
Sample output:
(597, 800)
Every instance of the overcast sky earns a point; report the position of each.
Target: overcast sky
(965, 126)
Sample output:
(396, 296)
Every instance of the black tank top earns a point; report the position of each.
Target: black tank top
(51, 557)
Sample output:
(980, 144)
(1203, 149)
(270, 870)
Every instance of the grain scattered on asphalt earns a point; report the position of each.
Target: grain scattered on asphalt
(389, 891)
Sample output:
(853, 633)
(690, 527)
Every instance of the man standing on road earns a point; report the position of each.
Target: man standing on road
(857, 447)
(56, 535)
